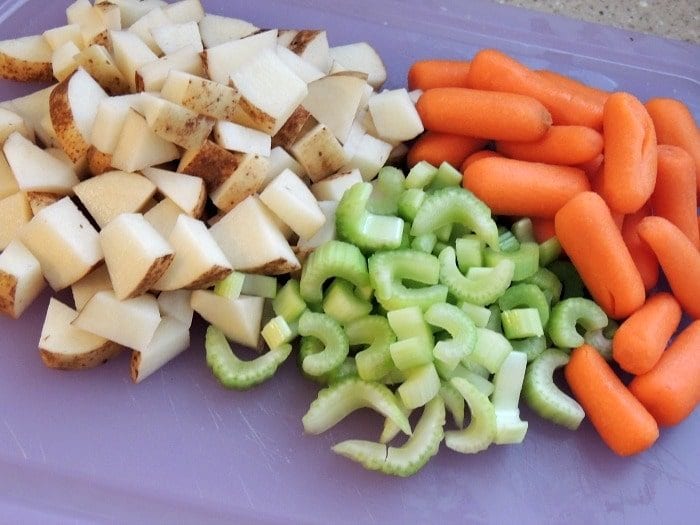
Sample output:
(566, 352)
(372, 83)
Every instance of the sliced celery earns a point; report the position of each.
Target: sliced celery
(532, 347)
(469, 250)
(481, 431)
(481, 290)
(569, 313)
(601, 339)
(410, 202)
(544, 397)
(342, 304)
(277, 332)
(446, 176)
(332, 259)
(424, 243)
(345, 370)
(409, 353)
(460, 327)
(374, 362)
(335, 342)
(491, 349)
(369, 454)
(231, 286)
(478, 314)
(548, 282)
(526, 259)
(439, 246)
(388, 187)
(508, 242)
(572, 285)
(444, 233)
(508, 383)
(310, 346)
(421, 175)
(410, 322)
(454, 402)
(522, 229)
(550, 250)
(235, 373)
(520, 323)
(390, 430)
(421, 385)
(288, 302)
(525, 295)
(494, 322)
(259, 285)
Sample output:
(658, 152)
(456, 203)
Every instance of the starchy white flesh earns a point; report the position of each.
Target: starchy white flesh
(334, 100)
(200, 95)
(110, 118)
(312, 46)
(319, 152)
(67, 347)
(38, 200)
(176, 304)
(26, 59)
(107, 196)
(216, 29)
(151, 76)
(222, 59)
(15, 212)
(36, 170)
(292, 201)
(144, 26)
(362, 57)
(130, 53)
(176, 123)
(414, 95)
(235, 137)
(245, 180)
(394, 115)
(163, 216)
(32, 108)
(132, 10)
(8, 183)
(332, 188)
(96, 281)
(65, 243)
(63, 62)
(170, 339)
(80, 168)
(172, 37)
(21, 280)
(301, 68)
(298, 123)
(327, 231)
(369, 156)
(11, 122)
(279, 161)
(270, 92)
(285, 37)
(58, 36)
(91, 24)
(73, 105)
(252, 242)
(98, 162)
(97, 61)
(110, 14)
(239, 319)
(185, 11)
(136, 255)
(47, 133)
(186, 191)
(107, 316)
(139, 147)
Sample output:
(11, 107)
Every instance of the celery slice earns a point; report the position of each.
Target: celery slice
(235, 373)
(421, 385)
(569, 313)
(550, 250)
(277, 332)
(478, 314)
(421, 175)
(548, 282)
(410, 322)
(523, 231)
(424, 243)
(310, 346)
(374, 362)
(446, 176)
(525, 295)
(508, 242)
(520, 323)
(469, 250)
(335, 402)
(481, 431)
(454, 402)
(342, 304)
(526, 259)
(410, 353)
(491, 349)
(329, 332)
(332, 259)
(481, 290)
(388, 187)
(494, 322)
(390, 430)
(259, 285)
(544, 397)
(444, 233)
(231, 287)
(572, 285)
(410, 202)
(460, 327)
(532, 347)
(288, 302)
(508, 383)
(601, 339)
(369, 454)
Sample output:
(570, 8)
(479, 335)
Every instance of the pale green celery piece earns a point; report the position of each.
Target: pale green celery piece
(447, 176)
(369, 454)
(330, 333)
(460, 327)
(374, 362)
(597, 339)
(406, 238)
(532, 347)
(469, 250)
(334, 403)
(390, 430)
(526, 259)
(572, 285)
(569, 313)
(544, 397)
(478, 314)
(524, 295)
(494, 322)
(454, 402)
(421, 385)
(395, 377)
(456, 205)
(231, 286)
(481, 431)
(508, 383)
(522, 229)
(508, 242)
(235, 373)
(444, 233)
(548, 282)
(332, 259)
(288, 302)
(342, 303)
(259, 285)
(368, 231)
(346, 370)
(388, 187)
(410, 353)
(479, 288)
(550, 250)
(471, 365)
(491, 349)
(278, 332)
(310, 346)
(439, 246)
(365, 292)
(520, 323)
(410, 322)
(480, 381)
(387, 270)
(424, 243)
(421, 175)
(409, 203)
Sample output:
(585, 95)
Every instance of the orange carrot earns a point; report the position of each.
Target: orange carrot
(428, 74)
(483, 114)
(591, 167)
(590, 238)
(675, 196)
(437, 148)
(567, 145)
(642, 338)
(629, 174)
(575, 86)
(675, 125)
(621, 420)
(483, 154)
(671, 390)
(644, 259)
(679, 260)
(543, 229)
(493, 70)
(516, 187)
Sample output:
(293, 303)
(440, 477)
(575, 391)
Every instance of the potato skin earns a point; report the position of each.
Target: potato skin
(69, 137)
(12, 68)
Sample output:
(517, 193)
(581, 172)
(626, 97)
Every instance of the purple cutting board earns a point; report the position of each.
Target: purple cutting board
(91, 447)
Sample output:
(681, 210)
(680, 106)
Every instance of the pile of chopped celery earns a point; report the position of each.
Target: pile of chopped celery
(424, 302)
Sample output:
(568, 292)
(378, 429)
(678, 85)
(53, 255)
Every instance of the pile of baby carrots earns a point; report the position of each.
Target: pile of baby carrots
(617, 181)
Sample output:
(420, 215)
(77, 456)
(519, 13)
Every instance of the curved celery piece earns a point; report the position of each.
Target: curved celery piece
(390, 430)
(567, 314)
(548, 282)
(550, 250)
(572, 285)
(456, 205)
(288, 302)
(494, 321)
(459, 325)
(481, 431)
(231, 286)
(235, 373)
(478, 314)
(601, 339)
(410, 202)
(526, 259)
(389, 186)
(421, 175)
(444, 233)
(523, 231)
(374, 362)
(395, 377)
(412, 456)
(481, 382)
(421, 385)
(508, 242)
(525, 296)
(454, 402)
(366, 230)
(424, 243)
(508, 383)
(388, 269)
(332, 259)
(335, 402)
(346, 370)
(520, 323)
(439, 246)
(410, 353)
(309, 346)
(481, 290)
(469, 250)
(532, 347)
(491, 349)
(335, 342)
(544, 397)
(343, 304)
(277, 331)
(447, 176)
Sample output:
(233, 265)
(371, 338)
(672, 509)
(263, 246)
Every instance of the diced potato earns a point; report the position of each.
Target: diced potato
(21, 280)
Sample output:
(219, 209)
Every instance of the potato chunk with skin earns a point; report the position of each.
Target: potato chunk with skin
(21, 280)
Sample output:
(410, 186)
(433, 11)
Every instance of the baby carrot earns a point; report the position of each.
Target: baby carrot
(675, 125)
(671, 390)
(483, 154)
(490, 69)
(679, 260)
(642, 337)
(428, 74)
(437, 148)
(483, 114)
(644, 259)
(594, 244)
(575, 86)
(675, 197)
(621, 420)
(629, 172)
(591, 167)
(530, 189)
(543, 229)
(567, 145)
